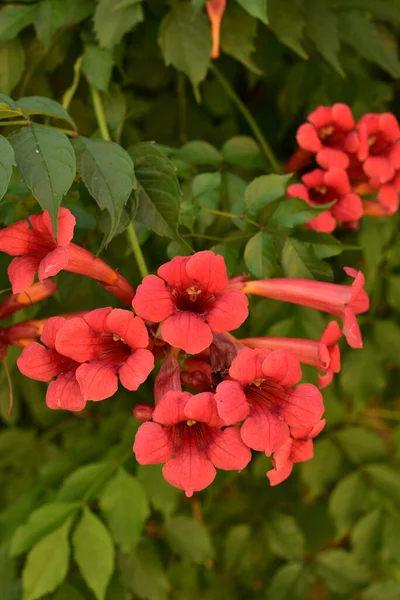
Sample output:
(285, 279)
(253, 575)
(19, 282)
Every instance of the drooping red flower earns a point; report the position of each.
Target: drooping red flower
(215, 10)
(380, 146)
(342, 301)
(108, 342)
(322, 187)
(186, 435)
(35, 293)
(191, 301)
(298, 448)
(260, 392)
(44, 364)
(330, 135)
(323, 354)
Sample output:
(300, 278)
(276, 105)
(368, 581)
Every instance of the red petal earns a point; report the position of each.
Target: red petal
(264, 431)
(174, 273)
(321, 116)
(276, 476)
(39, 363)
(283, 367)
(153, 300)
(97, 380)
(129, 328)
(66, 224)
(18, 239)
(379, 167)
(348, 208)
(337, 178)
(21, 272)
(152, 444)
(314, 178)
(64, 393)
(247, 366)
(331, 158)
(227, 450)
(303, 406)
(171, 408)
(208, 271)
(53, 263)
(136, 369)
(230, 310)
(190, 470)
(203, 407)
(389, 126)
(298, 190)
(76, 340)
(302, 450)
(188, 331)
(307, 138)
(50, 329)
(351, 329)
(343, 116)
(97, 319)
(388, 196)
(231, 402)
(324, 222)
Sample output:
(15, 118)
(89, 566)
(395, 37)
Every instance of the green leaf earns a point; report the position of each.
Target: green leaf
(369, 41)
(163, 496)
(46, 163)
(235, 546)
(291, 582)
(68, 592)
(200, 154)
(299, 260)
(366, 536)
(362, 375)
(341, 571)
(112, 22)
(384, 10)
(159, 191)
(361, 445)
(185, 42)
(126, 508)
(94, 553)
(107, 171)
(231, 254)
(90, 478)
(285, 537)
(50, 17)
(41, 522)
(12, 60)
(7, 161)
(294, 211)
(206, 194)
(143, 574)
(189, 538)
(47, 564)
(242, 151)
(255, 8)
(238, 32)
(263, 190)
(382, 590)
(385, 480)
(393, 282)
(347, 501)
(391, 538)
(322, 27)
(97, 65)
(38, 105)
(260, 255)
(324, 244)
(15, 17)
(287, 22)
(323, 470)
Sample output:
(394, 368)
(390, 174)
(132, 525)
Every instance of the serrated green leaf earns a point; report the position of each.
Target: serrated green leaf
(366, 536)
(189, 538)
(346, 502)
(97, 65)
(40, 523)
(47, 564)
(107, 171)
(291, 582)
(285, 537)
(185, 42)
(46, 163)
(242, 151)
(126, 508)
(12, 60)
(385, 10)
(39, 105)
(341, 571)
(361, 445)
(49, 18)
(255, 8)
(111, 23)
(263, 190)
(94, 553)
(322, 27)
(299, 260)
(238, 32)
(7, 161)
(287, 22)
(260, 255)
(14, 18)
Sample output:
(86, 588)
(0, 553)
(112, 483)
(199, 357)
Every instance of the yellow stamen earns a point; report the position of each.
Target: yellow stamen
(193, 292)
(191, 422)
(321, 190)
(325, 131)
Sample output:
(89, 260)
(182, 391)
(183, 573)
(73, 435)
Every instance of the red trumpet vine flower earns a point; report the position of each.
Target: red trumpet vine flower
(343, 301)
(35, 293)
(215, 10)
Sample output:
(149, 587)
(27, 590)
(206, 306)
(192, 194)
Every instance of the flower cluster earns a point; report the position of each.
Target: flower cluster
(211, 409)
(355, 162)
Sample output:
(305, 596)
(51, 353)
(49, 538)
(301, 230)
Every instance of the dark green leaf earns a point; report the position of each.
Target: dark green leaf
(366, 536)
(322, 27)
(206, 194)
(361, 445)
(256, 8)
(362, 375)
(324, 245)
(393, 292)
(143, 574)
(47, 564)
(38, 105)
(385, 10)
(94, 553)
(163, 496)
(12, 60)
(46, 162)
(49, 18)
(287, 22)
(299, 260)
(385, 480)
(97, 65)
(260, 255)
(112, 21)
(200, 153)
(15, 17)
(125, 507)
(341, 571)
(189, 538)
(242, 151)
(235, 546)
(7, 160)
(291, 582)
(263, 190)
(382, 590)
(285, 537)
(391, 538)
(347, 501)
(238, 32)
(323, 470)
(185, 42)
(107, 171)
(294, 211)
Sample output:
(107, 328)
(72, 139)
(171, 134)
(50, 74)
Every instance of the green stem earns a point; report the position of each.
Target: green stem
(269, 155)
(137, 251)
(70, 132)
(100, 115)
(17, 122)
(227, 215)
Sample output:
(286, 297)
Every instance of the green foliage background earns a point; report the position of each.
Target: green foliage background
(79, 519)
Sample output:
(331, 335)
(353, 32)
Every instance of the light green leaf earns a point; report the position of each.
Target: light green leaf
(111, 23)
(361, 445)
(47, 564)
(382, 590)
(200, 153)
(323, 470)
(255, 8)
(235, 546)
(189, 538)
(285, 537)
(159, 191)
(77, 11)
(260, 255)
(94, 553)
(97, 65)
(294, 211)
(206, 194)
(322, 27)
(299, 260)
(85, 482)
(7, 161)
(385, 480)
(50, 17)
(341, 571)
(15, 17)
(347, 501)
(41, 522)
(287, 22)
(391, 538)
(39, 105)
(366, 536)
(12, 61)
(126, 508)
(46, 163)
(293, 581)
(163, 496)
(238, 32)
(143, 574)
(107, 171)
(242, 151)
(263, 190)
(185, 42)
